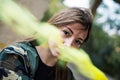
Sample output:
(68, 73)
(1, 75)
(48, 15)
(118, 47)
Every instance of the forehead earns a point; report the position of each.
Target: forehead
(76, 26)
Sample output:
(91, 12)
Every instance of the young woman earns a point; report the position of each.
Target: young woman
(29, 60)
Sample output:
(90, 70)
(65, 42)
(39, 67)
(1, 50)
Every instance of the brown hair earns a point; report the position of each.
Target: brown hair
(68, 16)
(72, 15)
(65, 17)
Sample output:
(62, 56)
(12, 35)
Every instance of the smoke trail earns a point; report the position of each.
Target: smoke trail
(23, 22)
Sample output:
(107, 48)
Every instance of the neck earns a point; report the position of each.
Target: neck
(46, 56)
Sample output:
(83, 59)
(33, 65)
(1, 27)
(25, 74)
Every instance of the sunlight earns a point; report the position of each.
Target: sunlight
(77, 3)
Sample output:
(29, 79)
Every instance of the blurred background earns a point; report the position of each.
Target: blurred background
(103, 45)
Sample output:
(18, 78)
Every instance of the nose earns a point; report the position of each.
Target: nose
(68, 41)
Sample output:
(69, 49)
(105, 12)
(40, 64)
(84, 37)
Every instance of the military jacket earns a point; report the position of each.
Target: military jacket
(19, 62)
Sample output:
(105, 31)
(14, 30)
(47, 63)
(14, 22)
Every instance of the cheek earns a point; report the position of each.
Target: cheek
(53, 48)
(62, 35)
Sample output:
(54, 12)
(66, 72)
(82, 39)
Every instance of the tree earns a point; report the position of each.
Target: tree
(104, 49)
(118, 1)
(96, 4)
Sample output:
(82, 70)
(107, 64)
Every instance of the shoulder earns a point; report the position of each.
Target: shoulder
(13, 62)
(23, 52)
(15, 54)
(20, 48)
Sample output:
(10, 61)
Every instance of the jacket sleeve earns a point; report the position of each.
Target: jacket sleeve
(12, 65)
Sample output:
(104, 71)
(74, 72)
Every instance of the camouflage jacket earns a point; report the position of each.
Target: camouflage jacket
(19, 62)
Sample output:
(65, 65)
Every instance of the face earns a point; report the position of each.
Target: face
(73, 35)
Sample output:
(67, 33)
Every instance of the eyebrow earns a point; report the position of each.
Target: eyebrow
(69, 29)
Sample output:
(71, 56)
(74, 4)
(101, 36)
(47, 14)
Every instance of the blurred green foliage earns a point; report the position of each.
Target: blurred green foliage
(103, 48)
(54, 7)
(104, 51)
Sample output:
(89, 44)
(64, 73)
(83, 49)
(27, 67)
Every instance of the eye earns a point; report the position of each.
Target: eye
(78, 43)
(66, 33)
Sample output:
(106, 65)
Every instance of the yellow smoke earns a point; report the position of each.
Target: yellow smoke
(23, 22)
